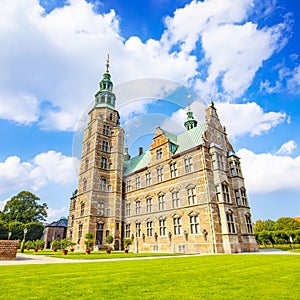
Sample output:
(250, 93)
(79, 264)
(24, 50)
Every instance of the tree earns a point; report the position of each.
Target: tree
(24, 208)
(261, 225)
(286, 223)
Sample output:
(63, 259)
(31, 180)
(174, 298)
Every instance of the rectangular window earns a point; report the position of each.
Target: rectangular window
(128, 185)
(225, 192)
(249, 224)
(161, 202)
(102, 184)
(105, 130)
(100, 209)
(230, 223)
(232, 169)
(173, 170)
(175, 199)
(86, 165)
(127, 231)
(150, 228)
(148, 179)
(103, 163)
(138, 207)
(188, 165)
(79, 231)
(159, 153)
(138, 229)
(162, 227)
(82, 209)
(160, 174)
(128, 209)
(192, 198)
(244, 197)
(104, 146)
(220, 161)
(237, 197)
(149, 205)
(194, 224)
(218, 193)
(138, 182)
(177, 225)
(88, 146)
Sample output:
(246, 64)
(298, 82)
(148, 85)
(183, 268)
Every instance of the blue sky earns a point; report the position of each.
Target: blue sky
(242, 54)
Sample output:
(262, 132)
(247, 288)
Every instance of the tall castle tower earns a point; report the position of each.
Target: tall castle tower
(97, 204)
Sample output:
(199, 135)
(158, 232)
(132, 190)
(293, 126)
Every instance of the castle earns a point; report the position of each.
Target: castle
(184, 194)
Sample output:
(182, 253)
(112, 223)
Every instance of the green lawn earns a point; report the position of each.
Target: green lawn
(189, 277)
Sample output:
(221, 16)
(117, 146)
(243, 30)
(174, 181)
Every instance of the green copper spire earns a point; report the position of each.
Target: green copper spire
(105, 96)
(190, 122)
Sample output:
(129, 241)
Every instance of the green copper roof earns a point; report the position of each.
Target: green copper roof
(178, 144)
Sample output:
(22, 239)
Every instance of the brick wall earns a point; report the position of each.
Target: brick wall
(8, 249)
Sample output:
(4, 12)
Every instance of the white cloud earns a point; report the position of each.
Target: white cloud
(58, 57)
(3, 203)
(293, 83)
(53, 214)
(267, 173)
(248, 118)
(287, 148)
(44, 168)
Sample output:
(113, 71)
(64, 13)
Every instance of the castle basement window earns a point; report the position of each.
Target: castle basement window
(177, 225)
(150, 228)
(173, 170)
(162, 227)
(159, 153)
(230, 222)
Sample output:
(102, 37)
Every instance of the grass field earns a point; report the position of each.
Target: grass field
(189, 277)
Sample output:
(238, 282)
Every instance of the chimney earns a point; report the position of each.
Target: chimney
(140, 150)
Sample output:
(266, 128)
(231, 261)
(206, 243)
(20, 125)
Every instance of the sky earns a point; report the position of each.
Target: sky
(243, 54)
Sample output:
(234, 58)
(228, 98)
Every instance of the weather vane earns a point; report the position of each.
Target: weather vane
(107, 62)
(188, 100)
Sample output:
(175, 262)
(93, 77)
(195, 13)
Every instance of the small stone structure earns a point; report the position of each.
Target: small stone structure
(8, 249)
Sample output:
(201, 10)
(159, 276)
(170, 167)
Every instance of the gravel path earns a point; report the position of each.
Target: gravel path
(28, 259)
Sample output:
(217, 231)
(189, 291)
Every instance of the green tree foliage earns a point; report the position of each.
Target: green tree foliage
(16, 229)
(279, 232)
(3, 230)
(34, 230)
(285, 223)
(261, 225)
(24, 208)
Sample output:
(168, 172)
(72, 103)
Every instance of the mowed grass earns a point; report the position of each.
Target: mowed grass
(189, 277)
